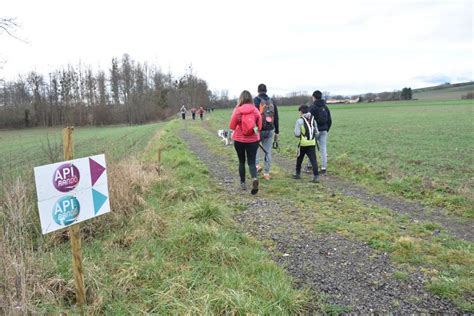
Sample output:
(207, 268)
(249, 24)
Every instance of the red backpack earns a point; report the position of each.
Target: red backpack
(248, 124)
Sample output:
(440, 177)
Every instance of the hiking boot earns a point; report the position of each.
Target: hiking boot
(254, 187)
(315, 179)
(296, 176)
(266, 176)
(243, 186)
(323, 172)
(259, 169)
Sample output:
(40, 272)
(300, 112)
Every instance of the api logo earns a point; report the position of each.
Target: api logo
(66, 210)
(66, 177)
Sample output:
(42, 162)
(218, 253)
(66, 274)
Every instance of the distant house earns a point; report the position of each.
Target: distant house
(342, 101)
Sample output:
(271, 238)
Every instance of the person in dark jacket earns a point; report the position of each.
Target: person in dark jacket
(270, 130)
(321, 113)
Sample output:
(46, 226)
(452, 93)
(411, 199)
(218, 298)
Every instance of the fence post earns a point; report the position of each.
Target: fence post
(75, 231)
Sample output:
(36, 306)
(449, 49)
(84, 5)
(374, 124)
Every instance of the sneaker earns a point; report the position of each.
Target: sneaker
(315, 179)
(323, 172)
(266, 176)
(254, 187)
(259, 169)
(243, 186)
(296, 176)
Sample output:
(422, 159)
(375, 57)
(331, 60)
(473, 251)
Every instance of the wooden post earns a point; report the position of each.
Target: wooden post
(75, 231)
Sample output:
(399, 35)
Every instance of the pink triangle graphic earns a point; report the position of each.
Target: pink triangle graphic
(96, 170)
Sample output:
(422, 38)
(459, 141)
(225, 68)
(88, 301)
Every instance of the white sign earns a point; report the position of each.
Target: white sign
(70, 192)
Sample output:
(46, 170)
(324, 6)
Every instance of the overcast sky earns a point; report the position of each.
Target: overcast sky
(344, 47)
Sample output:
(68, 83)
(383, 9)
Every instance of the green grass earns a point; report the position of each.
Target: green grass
(21, 150)
(181, 254)
(421, 150)
(445, 93)
(446, 260)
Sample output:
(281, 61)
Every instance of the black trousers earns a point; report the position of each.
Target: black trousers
(251, 150)
(309, 151)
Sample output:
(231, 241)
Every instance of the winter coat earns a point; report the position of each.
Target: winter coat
(321, 113)
(236, 119)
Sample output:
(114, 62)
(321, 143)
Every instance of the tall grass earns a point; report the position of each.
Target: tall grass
(24, 251)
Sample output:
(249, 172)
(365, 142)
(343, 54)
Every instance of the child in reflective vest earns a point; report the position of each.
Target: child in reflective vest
(306, 130)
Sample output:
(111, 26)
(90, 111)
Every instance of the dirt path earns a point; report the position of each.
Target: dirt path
(351, 273)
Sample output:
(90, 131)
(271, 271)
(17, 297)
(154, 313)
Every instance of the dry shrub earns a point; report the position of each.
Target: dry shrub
(129, 181)
(21, 245)
(18, 229)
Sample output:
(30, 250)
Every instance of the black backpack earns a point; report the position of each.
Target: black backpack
(321, 115)
(267, 110)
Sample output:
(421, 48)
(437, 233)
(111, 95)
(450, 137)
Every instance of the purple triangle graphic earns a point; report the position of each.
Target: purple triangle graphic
(96, 170)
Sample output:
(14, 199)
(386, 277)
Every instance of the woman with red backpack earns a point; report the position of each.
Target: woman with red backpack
(246, 122)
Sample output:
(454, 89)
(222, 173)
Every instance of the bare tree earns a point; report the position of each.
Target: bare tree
(9, 26)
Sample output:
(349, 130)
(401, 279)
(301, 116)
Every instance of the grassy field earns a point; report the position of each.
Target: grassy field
(21, 150)
(176, 249)
(445, 93)
(419, 149)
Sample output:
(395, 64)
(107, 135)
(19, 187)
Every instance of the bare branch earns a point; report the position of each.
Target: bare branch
(9, 25)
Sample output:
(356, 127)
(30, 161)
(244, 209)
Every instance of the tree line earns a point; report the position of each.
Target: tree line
(128, 92)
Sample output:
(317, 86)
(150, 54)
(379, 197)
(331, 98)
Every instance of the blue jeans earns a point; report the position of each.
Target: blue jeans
(266, 139)
(322, 139)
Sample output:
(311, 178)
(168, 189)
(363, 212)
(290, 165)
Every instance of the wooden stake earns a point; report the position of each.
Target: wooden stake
(75, 231)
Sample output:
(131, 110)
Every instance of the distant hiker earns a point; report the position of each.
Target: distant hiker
(270, 130)
(321, 113)
(183, 112)
(201, 112)
(193, 112)
(246, 122)
(306, 130)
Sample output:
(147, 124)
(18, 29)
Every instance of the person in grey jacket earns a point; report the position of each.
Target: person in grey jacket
(269, 132)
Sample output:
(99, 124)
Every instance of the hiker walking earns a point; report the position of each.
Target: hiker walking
(193, 112)
(246, 122)
(321, 113)
(270, 130)
(306, 130)
(201, 112)
(183, 112)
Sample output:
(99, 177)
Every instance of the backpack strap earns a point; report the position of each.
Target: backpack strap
(310, 127)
